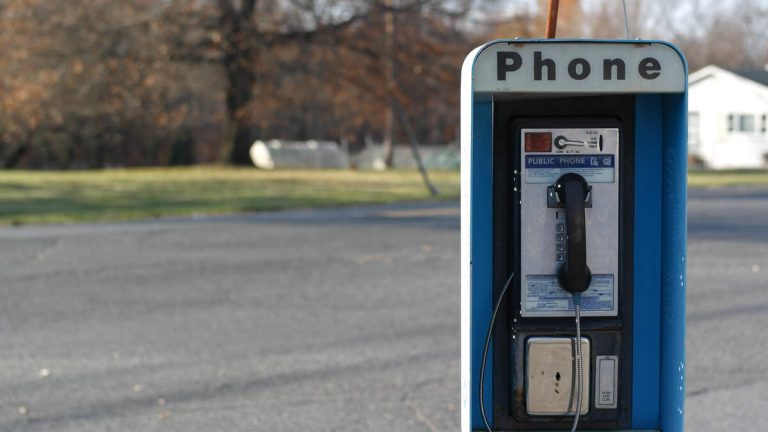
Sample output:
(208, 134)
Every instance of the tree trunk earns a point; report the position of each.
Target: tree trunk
(389, 84)
(240, 56)
(16, 155)
(240, 85)
(241, 145)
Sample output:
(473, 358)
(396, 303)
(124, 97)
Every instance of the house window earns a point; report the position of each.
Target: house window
(763, 124)
(746, 123)
(741, 122)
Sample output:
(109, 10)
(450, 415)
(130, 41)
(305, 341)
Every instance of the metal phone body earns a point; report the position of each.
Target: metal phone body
(550, 376)
(546, 154)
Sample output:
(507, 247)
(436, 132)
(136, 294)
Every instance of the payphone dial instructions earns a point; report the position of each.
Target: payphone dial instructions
(546, 155)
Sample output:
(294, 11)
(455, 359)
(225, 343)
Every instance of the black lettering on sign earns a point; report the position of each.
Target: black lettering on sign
(578, 68)
(503, 65)
(609, 64)
(649, 68)
(539, 64)
(573, 68)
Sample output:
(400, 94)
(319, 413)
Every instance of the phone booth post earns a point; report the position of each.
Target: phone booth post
(573, 198)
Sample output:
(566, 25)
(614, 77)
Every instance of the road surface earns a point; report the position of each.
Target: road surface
(328, 320)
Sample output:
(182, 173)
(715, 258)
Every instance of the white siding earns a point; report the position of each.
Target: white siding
(715, 94)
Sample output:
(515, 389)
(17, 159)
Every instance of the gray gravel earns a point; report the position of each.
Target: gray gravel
(332, 320)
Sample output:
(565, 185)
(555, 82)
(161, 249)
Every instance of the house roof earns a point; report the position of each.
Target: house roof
(757, 75)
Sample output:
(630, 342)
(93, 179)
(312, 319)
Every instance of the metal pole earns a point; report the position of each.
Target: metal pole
(552, 18)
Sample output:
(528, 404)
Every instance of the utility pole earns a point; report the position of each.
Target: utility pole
(389, 82)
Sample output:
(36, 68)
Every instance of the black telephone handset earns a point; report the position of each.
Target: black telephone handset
(573, 275)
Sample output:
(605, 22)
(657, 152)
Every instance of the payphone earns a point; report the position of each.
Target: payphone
(576, 170)
(559, 220)
(573, 180)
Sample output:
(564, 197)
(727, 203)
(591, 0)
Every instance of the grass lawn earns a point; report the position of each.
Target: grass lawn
(122, 194)
(727, 178)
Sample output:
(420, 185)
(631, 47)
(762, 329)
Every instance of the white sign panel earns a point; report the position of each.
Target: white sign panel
(578, 67)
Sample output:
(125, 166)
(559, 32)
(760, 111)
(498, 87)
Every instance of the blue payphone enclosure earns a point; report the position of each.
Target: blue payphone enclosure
(660, 173)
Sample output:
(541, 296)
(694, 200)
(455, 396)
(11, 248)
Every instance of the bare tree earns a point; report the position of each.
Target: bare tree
(87, 82)
(237, 34)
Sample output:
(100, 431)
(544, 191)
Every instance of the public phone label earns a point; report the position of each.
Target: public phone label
(595, 168)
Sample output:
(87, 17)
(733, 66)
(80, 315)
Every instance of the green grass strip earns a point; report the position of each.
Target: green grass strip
(123, 194)
(711, 179)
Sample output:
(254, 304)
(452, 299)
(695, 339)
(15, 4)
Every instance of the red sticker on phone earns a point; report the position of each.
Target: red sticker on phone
(538, 142)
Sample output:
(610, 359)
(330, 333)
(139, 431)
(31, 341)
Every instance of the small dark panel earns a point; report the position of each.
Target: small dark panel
(538, 142)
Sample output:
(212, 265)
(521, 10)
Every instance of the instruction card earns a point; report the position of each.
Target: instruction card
(543, 294)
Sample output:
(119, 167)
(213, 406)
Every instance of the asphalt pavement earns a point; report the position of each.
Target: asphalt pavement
(321, 320)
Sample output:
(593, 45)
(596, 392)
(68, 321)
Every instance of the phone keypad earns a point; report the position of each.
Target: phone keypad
(560, 236)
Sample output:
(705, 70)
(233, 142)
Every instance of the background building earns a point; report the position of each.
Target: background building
(727, 124)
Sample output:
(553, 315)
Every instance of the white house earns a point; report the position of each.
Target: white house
(727, 124)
